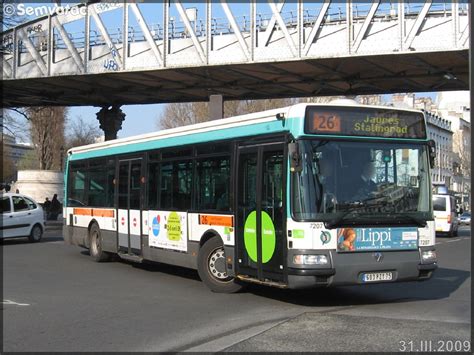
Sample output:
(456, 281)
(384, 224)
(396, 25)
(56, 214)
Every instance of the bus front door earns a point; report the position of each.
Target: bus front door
(129, 204)
(261, 236)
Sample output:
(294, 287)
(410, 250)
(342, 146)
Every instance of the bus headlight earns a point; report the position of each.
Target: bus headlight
(428, 256)
(310, 259)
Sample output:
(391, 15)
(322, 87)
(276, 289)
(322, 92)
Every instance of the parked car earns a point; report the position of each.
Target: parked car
(21, 216)
(446, 221)
(465, 218)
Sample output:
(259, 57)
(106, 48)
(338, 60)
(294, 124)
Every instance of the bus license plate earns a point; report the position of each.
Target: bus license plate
(377, 276)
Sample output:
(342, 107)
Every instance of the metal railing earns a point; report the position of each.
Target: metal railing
(221, 26)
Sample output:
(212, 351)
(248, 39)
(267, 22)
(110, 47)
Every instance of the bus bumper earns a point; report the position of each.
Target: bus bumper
(348, 268)
(75, 236)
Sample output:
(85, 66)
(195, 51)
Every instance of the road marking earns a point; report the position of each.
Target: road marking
(454, 240)
(229, 339)
(14, 303)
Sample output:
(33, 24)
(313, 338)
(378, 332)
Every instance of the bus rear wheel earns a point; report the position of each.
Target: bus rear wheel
(212, 268)
(95, 245)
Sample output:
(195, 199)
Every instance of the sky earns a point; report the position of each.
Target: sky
(139, 119)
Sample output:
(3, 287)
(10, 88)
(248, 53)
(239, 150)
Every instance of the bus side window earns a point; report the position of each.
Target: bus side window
(97, 187)
(110, 183)
(213, 184)
(135, 186)
(76, 184)
(153, 185)
(185, 183)
(176, 185)
(166, 186)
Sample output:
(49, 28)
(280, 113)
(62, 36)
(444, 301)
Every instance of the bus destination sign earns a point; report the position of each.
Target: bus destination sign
(360, 121)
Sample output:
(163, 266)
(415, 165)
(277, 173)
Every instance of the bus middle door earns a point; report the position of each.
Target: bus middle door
(261, 236)
(129, 204)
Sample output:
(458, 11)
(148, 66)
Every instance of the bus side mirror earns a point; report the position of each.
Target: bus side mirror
(432, 152)
(294, 155)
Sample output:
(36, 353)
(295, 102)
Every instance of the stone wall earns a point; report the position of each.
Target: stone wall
(40, 184)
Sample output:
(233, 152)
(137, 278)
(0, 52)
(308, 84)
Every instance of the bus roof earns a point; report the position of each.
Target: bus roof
(262, 117)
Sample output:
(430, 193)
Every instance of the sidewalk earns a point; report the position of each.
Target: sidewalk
(54, 225)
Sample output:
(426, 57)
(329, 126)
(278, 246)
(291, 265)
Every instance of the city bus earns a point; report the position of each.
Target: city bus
(296, 197)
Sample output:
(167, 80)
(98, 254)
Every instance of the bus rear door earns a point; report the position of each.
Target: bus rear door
(129, 205)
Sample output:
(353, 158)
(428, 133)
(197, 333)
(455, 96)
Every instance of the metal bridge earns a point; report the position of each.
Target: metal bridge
(135, 53)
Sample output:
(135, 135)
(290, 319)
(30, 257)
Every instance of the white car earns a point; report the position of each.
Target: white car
(444, 209)
(21, 217)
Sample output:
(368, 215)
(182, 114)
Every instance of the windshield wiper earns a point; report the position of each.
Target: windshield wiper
(338, 219)
(397, 219)
(420, 222)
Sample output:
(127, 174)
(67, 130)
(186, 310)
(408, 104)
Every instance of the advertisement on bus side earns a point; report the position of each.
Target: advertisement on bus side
(168, 230)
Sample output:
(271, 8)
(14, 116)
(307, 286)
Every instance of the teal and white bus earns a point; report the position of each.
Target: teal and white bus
(302, 196)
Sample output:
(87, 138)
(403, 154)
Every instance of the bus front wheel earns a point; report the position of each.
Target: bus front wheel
(95, 245)
(212, 268)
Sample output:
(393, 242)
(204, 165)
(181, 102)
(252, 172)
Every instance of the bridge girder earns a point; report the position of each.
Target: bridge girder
(299, 49)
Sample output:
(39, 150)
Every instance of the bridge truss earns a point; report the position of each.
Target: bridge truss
(132, 53)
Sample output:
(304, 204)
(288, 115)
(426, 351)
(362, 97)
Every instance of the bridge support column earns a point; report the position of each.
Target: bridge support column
(216, 107)
(110, 121)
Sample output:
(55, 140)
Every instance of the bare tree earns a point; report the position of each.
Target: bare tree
(250, 106)
(461, 148)
(80, 132)
(8, 172)
(14, 121)
(324, 99)
(182, 114)
(29, 161)
(362, 99)
(462, 153)
(232, 108)
(47, 135)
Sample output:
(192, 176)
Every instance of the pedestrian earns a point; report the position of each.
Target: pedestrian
(46, 204)
(54, 209)
(17, 191)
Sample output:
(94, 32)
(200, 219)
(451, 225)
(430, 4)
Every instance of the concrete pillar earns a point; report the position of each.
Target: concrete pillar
(216, 107)
(110, 121)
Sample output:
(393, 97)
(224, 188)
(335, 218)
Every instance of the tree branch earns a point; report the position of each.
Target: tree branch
(19, 111)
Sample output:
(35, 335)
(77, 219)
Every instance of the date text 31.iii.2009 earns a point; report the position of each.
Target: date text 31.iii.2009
(435, 345)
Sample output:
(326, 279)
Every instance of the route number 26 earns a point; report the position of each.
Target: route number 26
(326, 122)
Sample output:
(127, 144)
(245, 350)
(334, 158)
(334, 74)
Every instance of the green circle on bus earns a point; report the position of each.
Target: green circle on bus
(268, 236)
(174, 227)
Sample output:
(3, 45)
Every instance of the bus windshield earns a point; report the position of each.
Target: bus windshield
(362, 183)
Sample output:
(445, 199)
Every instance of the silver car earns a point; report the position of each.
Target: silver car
(465, 218)
(21, 217)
